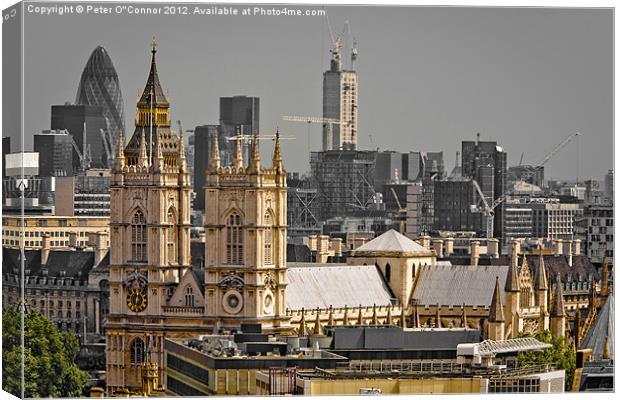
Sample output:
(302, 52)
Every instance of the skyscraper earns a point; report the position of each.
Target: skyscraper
(238, 115)
(203, 140)
(340, 102)
(99, 86)
(85, 124)
(55, 153)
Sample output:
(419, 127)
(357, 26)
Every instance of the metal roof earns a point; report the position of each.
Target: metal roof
(456, 285)
(603, 329)
(392, 241)
(337, 286)
(489, 348)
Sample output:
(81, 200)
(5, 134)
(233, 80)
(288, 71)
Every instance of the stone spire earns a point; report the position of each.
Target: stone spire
(277, 155)
(214, 162)
(238, 154)
(159, 158)
(388, 317)
(330, 318)
(153, 94)
(143, 159)
(374, 320)
(303, 330)
(181, 154)
(437, 317)
(512, 280)
(345, 316)
(119, 160)
(360, 316)
(255, 161)
(558, 299)
(541, 274)
(318, 329)
(496, 313)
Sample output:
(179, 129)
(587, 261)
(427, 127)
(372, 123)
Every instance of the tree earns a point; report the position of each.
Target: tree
(49, 357)
(560, 354)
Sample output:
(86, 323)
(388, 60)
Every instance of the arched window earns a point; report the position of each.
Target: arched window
(172, 236)
(137, 351)
(234, 240)
(388, 272)
(189, 296)
(268, 239)
(138, 237)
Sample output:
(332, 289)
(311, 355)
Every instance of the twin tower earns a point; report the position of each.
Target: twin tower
(154, 291)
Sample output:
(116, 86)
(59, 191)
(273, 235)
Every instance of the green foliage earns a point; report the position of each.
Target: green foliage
(50, 369)
(560, 355)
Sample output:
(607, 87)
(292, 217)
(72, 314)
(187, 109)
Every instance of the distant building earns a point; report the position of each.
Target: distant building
(84, 195)
(6, 149)
(55, 152)
(595, 228)
(344, 180)
(99, 86)
(303, 206)
(238, 115)
(487, 164)
(527, 173)
(203, 136)
(453, 201)
(340, 102)
(518, 221)
(609, 186)
(76, 118)
(393, 166)
(22, 172)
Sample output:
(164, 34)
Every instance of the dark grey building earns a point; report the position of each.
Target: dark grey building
(74, 118)
(453, 202)
(394, 166)
(238, 115)
(6, 149)
(55, 153)
(487, 163)
(203, 137)
(344, 180)
(99, 86)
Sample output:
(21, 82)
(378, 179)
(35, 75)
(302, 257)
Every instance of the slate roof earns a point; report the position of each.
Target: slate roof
(603, 327)
(60, 263)
(457, 284)
(310, 287)
(391, 241)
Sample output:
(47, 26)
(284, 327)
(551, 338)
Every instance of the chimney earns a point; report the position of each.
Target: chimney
(568, 251)
(558, 248)
(45, 248)
(323, 249)
(475, 252)
(425, 241)
(493, 247)
(99, 240)
(312, 242)
(73, 240)
(438, 245)
(449, 248)
(336, 246)
(577, 247)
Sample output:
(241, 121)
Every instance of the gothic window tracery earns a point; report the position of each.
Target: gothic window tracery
(268, 239)
(172, 236)
(189, 296)
(138, 237)
(234, 239)
(137, 351)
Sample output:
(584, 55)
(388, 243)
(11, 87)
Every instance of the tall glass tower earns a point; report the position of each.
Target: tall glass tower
(99, 86)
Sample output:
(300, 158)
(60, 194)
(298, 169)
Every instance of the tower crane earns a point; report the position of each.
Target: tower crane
(316, 120)
(488, 210)
(550, 155)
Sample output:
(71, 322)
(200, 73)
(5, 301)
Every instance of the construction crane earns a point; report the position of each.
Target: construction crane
(488, 210)
(249, 138)
(548, 156)
(85, 157)
(316, 120)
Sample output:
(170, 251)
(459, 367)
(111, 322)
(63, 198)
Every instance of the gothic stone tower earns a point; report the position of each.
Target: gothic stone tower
(245, 228)
(150, 223)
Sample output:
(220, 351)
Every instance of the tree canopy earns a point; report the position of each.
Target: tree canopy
(49, 368)
(561, 355)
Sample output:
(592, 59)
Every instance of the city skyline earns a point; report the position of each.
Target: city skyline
(530, 71)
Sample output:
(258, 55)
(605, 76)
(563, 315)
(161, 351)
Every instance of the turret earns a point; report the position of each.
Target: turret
(558, 316)
(513, 298)
(496, 315)
(143, 159)
(318, 329)
(119, 159)
(540, 283)
(182, 160)
(277, 155)
(238, 160)
(214, 162)
(254, 166)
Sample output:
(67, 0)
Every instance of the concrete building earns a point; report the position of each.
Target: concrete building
(55, 152)
(85, 124)
(553, 219)
(86, 194)
(609, 186)
(453, 201)
(344, 180)
(22, 173)
(518, 220)
(62, 232)
(340, 102)
(595, 228)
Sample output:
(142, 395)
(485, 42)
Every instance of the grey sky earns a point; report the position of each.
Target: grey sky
(429, 77)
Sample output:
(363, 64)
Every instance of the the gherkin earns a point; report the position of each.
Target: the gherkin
(99, 86)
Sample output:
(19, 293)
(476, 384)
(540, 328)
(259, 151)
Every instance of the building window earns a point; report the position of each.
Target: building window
(388, 272)
(172, 236)
(137, 351)
(138, 237)
(268, 239)
(189, 296)
(234, 240)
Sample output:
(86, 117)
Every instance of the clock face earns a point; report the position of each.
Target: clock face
(137, 300)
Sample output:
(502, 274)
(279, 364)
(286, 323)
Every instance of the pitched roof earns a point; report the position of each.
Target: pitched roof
(391, 241)
(512, 281)
(455, 285)
(496, 313)
(541, 275)
(602, 330)
(310, 287)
